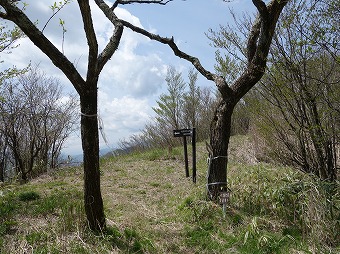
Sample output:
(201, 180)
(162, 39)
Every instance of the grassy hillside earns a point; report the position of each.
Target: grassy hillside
(152, 208)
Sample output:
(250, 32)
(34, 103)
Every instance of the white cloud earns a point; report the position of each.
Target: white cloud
(124, 113)
(134, 75)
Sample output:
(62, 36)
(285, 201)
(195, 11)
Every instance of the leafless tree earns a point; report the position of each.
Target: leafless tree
(36, 123)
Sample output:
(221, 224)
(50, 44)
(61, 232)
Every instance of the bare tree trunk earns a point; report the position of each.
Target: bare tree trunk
(219, 141)
(90, 141)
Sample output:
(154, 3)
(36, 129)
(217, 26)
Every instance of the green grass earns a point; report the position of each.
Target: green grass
(152, 208)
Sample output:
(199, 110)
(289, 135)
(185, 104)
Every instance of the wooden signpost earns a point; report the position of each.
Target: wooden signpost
(188, 133)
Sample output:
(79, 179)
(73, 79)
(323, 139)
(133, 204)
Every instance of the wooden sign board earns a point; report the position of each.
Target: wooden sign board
(182, 133)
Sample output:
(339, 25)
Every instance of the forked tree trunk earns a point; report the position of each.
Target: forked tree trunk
(90, 141)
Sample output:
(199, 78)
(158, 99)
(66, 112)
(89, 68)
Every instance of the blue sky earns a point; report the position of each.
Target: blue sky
(134, 78)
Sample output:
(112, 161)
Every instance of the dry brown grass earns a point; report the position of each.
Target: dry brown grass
(145, 195)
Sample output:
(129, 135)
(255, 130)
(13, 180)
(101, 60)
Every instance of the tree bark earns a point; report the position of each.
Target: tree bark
(90, 142)
(219, 142)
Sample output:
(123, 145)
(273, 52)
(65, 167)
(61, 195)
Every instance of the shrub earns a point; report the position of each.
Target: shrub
(28, 196)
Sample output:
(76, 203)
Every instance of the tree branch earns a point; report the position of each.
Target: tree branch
(252, 40)
(112, 46)
(262, 8)
(258, 45)
(170, 42)
(122, 2)
(260, 22)
(91, 38)
(54, 13)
